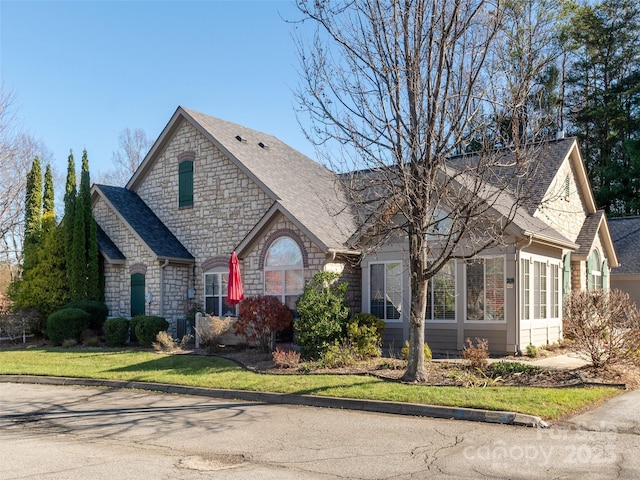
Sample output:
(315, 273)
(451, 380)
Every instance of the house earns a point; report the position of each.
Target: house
(209, 187)
(626, 237)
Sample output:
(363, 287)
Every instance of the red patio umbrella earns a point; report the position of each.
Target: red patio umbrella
(234, 291)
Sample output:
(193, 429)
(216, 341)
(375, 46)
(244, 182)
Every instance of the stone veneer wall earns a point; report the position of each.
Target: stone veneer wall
(253, 276)
(226, 203)
(565, 215)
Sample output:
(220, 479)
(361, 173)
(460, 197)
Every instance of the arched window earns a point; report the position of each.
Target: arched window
(284, 271)
(594, 271)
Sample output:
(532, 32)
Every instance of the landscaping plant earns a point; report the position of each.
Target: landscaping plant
(477, 355)
(604, 324)
(210, 330)
(322, 313)
(67, 324)
(148, 327)
(116, 331)
(260, 318)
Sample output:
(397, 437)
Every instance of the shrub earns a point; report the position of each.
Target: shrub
(97, 310)
(67, 324)
(148, 327)
(477, 355)
(116, 331)
(260, 318)
(532, 350)
(604, 324)
(501, 369)
(285, 358)
(364, 332)
(165, 342)
(339, 354)
(93, 341)
(70, 342)
(133, 324)
(428, 356)
(364, 339)
(322, 313)
(211, 329)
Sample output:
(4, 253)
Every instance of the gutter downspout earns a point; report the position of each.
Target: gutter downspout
(518, 299)
(162, 267)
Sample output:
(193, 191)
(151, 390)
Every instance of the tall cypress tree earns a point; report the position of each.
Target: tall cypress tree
(48, 212)
(91, 241)
(33, 214)
(84, 279)
(70, 194)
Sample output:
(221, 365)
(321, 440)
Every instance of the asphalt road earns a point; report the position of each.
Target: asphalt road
(69, 432)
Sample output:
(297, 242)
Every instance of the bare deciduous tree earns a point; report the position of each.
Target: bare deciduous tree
(17, 151)
(133, 145)
(397, 89)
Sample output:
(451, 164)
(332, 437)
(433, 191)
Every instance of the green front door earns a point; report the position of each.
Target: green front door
(137, 294)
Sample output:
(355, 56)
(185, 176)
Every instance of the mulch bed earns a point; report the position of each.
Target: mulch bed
(449, 373)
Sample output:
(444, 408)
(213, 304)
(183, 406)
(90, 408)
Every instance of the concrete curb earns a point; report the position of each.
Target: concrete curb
(396, 408)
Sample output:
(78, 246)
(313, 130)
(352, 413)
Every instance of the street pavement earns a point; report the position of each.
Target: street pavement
(73, 432)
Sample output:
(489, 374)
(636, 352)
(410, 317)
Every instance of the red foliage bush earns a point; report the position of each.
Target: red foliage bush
(260, 318)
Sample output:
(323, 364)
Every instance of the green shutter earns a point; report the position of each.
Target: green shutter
(137, 294)
(185, 184)
(566, 275)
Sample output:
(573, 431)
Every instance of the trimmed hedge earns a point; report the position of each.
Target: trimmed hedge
(147, 327)
(67, 324)
(133, 324)
(116, 331)
(97, 310)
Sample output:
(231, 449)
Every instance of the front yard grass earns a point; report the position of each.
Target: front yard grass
(214, 372)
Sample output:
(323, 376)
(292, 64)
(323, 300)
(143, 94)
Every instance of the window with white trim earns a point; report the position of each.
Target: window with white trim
(594, 271)
(385, 290)
(540, 290)
(215, 293)
(284, 271)
(441, 294)
(485, 289)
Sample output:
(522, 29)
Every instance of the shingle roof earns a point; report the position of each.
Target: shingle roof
(145, 223)
(588, 233)
(304, 188)
(626, 238)
(549, 157)
(107, 247)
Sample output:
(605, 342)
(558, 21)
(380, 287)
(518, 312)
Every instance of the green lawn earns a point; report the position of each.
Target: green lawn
(213, 372)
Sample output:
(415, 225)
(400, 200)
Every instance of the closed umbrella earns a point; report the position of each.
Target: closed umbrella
(234, 291)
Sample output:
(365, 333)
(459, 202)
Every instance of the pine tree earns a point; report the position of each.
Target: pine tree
(603, 99)
(33, 214)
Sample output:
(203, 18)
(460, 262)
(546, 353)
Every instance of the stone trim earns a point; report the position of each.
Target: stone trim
(138, 268)
(188, 155)
(283, 232)
(214, 262)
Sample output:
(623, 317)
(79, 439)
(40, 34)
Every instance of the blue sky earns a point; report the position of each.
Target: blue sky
(82, 71)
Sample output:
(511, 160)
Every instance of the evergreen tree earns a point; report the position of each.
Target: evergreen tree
(83, 273)
(70, 194)
(44, 286)
(48, 212)
(603, 99)
(33, 214)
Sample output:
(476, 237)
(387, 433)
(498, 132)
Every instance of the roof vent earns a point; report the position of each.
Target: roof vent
(240, 139)
(262, 145)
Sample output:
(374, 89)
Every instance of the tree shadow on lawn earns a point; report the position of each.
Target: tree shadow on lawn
(188, 365)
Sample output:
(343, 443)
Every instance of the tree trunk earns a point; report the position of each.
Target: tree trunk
(417, 259)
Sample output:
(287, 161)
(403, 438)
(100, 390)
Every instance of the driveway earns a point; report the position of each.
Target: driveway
(70, 432)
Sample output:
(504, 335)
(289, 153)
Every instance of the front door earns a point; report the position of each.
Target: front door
(137, 294)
